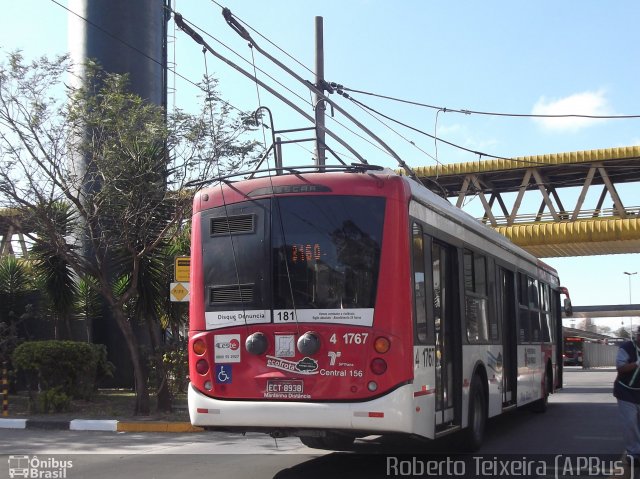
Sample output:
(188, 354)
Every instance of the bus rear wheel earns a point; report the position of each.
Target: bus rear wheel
(474, 433)
(541, 404)
(312, 442)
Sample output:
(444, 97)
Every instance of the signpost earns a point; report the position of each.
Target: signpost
(179, 291)
(182, 268)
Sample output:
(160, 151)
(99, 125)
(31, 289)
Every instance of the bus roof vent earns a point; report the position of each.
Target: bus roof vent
(226, 225)
(231, 294)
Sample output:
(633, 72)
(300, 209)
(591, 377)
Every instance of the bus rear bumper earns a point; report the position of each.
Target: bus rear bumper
(389, 413)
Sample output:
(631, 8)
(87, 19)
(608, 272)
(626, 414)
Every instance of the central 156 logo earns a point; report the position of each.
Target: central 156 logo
(333, 355)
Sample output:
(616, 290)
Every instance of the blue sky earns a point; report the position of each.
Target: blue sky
(502, 56)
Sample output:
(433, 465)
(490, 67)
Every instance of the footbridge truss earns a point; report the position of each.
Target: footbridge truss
(599, 220)
(13, 228)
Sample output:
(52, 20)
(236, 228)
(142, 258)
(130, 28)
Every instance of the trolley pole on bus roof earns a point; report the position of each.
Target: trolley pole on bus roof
(319, 105)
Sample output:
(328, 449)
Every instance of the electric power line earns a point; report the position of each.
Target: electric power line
(479, 153)
(243, 58)
(399, 134)
(422, 132)
(489, 113)
(362, 137)
(270, 42)
(344, 126)
(360, 104)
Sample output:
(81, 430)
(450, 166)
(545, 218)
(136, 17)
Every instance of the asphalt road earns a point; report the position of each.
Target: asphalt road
(582, 420)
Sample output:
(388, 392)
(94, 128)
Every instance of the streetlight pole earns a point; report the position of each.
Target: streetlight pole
(630, 317)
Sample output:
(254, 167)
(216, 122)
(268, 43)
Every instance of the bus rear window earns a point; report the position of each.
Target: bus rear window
(326, 251)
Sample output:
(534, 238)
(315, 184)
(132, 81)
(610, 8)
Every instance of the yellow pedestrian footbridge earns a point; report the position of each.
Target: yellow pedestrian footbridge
(601, 220)
(576, 238)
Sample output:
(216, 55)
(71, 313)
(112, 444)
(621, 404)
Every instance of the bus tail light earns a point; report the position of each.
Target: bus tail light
(381, 345)
(202, 366)
(378, 366)
(199, 347)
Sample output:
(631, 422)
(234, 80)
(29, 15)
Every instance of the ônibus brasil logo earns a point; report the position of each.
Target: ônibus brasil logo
(50, 467)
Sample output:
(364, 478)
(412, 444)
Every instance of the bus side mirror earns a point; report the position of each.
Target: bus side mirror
(568, 309)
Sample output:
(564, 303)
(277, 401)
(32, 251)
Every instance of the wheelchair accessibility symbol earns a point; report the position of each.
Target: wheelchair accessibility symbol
(223, 374)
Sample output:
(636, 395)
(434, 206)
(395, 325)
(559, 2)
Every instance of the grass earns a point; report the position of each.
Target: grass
(106, 404)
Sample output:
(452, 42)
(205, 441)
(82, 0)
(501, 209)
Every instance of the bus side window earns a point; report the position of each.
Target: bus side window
(534, 310)
(419, 287)
(523, 309)
(480, 327)
(545, 313)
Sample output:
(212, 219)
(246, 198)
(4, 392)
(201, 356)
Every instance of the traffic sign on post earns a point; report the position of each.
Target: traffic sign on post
(182, 268)
(179, 292)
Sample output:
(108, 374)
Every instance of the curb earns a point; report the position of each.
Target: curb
(157, 427)
(99, 425)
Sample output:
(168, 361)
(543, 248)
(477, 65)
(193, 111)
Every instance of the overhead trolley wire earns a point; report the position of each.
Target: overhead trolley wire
(190, 23)
(422, 132)
(491, 113)
(310, 71)
(360, 104)
(196, 27)
(269, 41)
(240, 30)
(397, 133)
(438, 108)
(350, 130)
(200, 87)
(198, 39)
(454, 145)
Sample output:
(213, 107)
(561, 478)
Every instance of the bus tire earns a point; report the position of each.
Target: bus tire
(338, 442)
(474, 433)
(541, 405)
(313, 442)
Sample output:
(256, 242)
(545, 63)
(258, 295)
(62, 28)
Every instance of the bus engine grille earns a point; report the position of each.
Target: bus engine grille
(236, 293)
(227, 225)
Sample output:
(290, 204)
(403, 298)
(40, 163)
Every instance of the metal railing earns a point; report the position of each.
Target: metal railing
(602, 213)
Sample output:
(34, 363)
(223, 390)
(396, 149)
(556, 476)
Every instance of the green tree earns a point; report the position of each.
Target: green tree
(125, 183)
(623, 333)
(15, 289)
(87, 306)
(55, 273)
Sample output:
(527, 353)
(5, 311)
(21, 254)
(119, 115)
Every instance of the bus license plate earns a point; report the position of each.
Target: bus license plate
(285, 386)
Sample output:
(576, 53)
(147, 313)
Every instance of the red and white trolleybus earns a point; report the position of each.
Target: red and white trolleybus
(338, 304)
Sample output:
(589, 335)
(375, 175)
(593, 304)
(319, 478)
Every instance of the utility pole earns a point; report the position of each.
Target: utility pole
(318, 101)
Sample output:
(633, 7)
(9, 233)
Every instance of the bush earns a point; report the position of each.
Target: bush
(60, 368)
(53, 400)
(176, 360)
